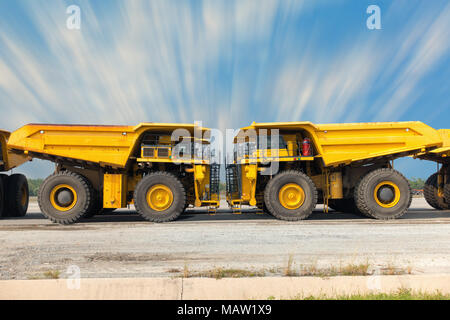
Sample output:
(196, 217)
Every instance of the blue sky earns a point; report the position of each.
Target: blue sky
(227, 63)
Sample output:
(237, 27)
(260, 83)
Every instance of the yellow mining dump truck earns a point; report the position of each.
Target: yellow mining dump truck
(14, 191)
(160, 168)
(287, 168)
(437, 186)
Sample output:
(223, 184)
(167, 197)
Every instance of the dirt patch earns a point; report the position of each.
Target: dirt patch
(49, 227)
(129, 257)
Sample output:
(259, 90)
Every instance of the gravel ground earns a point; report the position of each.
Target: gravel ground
(123, 245)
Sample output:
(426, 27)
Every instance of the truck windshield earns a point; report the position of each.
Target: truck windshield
(271, 142)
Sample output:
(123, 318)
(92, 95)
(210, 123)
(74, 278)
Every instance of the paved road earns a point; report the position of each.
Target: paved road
(123, 245)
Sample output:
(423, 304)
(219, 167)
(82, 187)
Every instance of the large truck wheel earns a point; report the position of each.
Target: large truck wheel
(383, 194)
(290, 195)
(17, 195)
(432, 196)
(160, 197)
(96, 207)
(447, 193)
(65, 197)
(2, 197)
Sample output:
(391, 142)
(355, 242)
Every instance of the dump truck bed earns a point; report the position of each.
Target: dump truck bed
(336, 144)
(441, 154)
(106, 146)
(343, 144)
(9, 160)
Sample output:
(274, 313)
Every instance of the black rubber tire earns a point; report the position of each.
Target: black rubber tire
(430, 191)
(447, 193)
(84, 194)
(346, 206)
(2, 196)
(271, 196)
(97, 204)
(365, 200)
(168, 180)
(16, 186)
(95, 209)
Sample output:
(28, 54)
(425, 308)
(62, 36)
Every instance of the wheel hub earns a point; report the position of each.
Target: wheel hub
(387, 194)
(291, 196)
(63, 197)
(159, 197)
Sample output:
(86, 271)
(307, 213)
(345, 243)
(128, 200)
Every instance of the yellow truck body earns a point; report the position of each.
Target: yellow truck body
(9, 160)
(113, 160)
(107, 146)
(343, 154)
(343, 144)
(441, 154)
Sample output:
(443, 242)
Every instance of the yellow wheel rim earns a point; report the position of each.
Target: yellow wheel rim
(387, 203)
(159, 197)
(63, 206)
(291, 196)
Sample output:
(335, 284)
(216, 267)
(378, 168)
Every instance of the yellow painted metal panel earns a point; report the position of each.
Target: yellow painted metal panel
(248, 179)
(106, 145)
(441, 154)
(114, 191)
(201, 178)
(336, 186)
(8, 159)
(445, 149)
(4, 149)
(345, 143)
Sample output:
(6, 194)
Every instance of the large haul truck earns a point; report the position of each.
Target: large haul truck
(160, 168)
(437, 186)
(14, 193)
(287, 168)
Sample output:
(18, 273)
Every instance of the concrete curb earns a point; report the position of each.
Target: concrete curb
(224, 289)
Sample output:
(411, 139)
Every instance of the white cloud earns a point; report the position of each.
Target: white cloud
(432, 44)
(340, 89)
